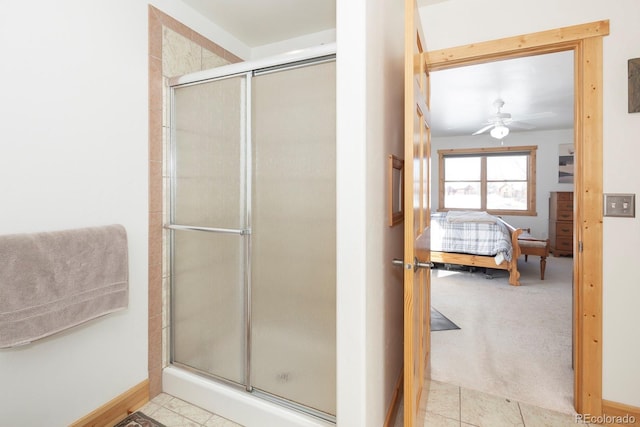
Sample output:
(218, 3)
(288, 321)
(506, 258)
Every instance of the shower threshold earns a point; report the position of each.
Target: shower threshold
(234, 403)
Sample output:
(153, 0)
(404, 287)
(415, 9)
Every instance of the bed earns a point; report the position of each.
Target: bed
(475, 239)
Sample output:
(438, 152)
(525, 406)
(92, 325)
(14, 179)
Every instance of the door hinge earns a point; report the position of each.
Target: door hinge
(580, 246)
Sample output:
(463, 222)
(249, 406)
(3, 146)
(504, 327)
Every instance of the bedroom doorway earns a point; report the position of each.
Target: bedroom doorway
(516, 341)
(585, 41)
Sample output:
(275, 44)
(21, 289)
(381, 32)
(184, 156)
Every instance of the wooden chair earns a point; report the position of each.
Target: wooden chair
(529, 245)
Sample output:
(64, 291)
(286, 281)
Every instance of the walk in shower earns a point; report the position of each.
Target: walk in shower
(252, 230)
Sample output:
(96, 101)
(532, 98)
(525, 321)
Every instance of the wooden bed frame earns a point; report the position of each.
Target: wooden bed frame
(486, 260)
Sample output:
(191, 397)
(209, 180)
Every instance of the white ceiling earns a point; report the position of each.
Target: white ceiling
(462, 98)
(537, 91)
(260, 22)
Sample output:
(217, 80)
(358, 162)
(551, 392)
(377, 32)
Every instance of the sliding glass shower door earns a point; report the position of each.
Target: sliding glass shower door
(293, 248)
(209, 219)
(253, 223)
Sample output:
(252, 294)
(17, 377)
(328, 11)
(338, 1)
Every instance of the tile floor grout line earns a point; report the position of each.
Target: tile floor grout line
(186, 417)
(180, 415)
(521, 415)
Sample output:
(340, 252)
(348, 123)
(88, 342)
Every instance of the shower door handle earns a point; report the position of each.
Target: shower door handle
(240, 231)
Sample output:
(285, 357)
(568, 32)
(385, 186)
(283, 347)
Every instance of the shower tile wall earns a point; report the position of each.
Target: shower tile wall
(174, 49)
(180, 55)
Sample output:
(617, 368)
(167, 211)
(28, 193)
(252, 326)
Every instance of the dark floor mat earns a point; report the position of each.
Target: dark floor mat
(138, 419)
(441, 323)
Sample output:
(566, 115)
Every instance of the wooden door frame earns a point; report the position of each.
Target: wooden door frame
(416, 281)
(586, 42)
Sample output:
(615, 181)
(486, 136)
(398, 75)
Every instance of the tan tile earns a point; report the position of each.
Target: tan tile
(211, 60)
(155, 33)
(436, 420)
(179, 54)
(156, 130)
(485, 410)
(539, 417)
(173, 419)
(155, 382)
(207, 44)
(155, 289)
(155, 84)
(155, 344)
(162, 399)
(444, 399)
(155, 241)
(188, 410)
(175, 25)
(149, 408)
(155, 187)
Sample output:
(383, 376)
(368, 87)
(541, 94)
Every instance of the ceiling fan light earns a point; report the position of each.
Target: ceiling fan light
(499, 131)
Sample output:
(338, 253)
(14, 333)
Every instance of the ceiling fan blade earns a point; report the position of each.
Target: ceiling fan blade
(521, 125)
(535, 116)
(484, 129)
(501, 116)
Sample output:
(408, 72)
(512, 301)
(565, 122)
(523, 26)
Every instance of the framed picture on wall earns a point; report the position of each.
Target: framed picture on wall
(395, 190)
(565, 163)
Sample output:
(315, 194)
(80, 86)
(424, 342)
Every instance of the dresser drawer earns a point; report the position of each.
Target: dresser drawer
(564, 229)
(564, 244)
(561, 222)
(564, 205)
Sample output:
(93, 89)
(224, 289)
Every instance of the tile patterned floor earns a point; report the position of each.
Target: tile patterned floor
(447, 406)
(173, 412)
(452, 406)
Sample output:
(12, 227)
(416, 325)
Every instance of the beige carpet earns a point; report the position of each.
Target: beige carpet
(513, 342)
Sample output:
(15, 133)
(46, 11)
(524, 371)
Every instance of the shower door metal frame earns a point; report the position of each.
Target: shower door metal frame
(245, 165)
(314, 56)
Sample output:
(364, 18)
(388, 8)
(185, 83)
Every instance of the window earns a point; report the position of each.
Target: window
(501, 181)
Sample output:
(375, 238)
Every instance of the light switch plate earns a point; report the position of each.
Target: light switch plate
(616, 204)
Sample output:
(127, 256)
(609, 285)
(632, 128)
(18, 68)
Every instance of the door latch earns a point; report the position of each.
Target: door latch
(415, 266)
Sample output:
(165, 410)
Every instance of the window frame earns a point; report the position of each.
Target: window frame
(528, 150)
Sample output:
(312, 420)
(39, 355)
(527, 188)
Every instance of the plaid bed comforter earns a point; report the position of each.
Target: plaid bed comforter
(476, 238)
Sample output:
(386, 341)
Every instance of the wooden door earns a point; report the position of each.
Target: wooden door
(417, 276)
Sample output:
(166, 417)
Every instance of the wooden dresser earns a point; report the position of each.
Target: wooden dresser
(561, 223)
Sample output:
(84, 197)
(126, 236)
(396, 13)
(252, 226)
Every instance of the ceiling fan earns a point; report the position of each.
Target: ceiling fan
(498, 122)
